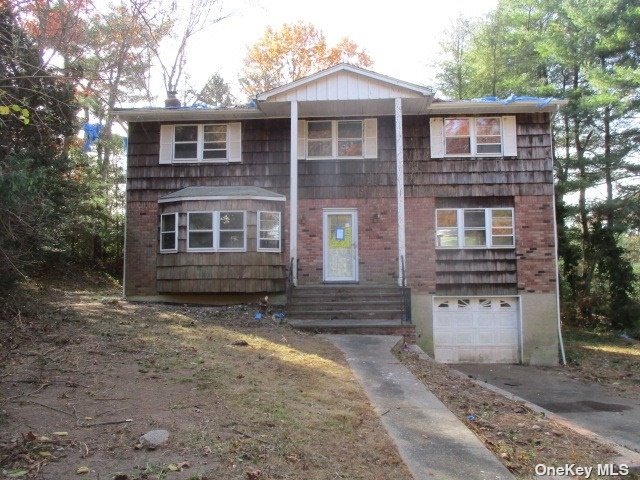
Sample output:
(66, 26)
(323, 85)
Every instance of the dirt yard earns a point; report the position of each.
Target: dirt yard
(518, 436)
(604, 358)
(83, 375)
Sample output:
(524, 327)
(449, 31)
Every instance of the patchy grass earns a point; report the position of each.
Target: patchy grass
(518, 436)
(604, 358)
(83, 362)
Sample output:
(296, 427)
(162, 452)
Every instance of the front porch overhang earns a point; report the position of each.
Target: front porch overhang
(347, 108)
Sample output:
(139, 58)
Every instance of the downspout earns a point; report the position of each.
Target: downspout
(555, 236)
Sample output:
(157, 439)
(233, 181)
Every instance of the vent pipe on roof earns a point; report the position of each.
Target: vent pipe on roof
(172, 99)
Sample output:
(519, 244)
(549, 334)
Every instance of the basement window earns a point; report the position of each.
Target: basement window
(475, 228)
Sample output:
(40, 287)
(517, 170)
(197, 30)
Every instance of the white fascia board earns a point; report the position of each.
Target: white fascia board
(184, 114)
(427, 92)
(468, 107)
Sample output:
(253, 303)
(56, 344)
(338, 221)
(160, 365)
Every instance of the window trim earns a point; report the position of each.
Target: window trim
(175, 233)
(219, 230)
(488, 229)
(200, 144)
(259, 230)
(334, 140)
(174, 142)
(213, 234)
(473, 137)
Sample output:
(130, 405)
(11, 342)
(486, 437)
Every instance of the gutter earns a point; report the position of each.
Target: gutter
(555, 234)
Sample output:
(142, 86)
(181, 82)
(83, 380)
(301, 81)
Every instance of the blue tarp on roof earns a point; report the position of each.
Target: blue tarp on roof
(541, 101)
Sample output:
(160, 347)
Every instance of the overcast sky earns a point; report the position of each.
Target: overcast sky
(401, 36)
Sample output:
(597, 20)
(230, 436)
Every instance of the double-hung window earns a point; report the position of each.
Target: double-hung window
(231, 231)
(200, 231)
(185, 143)
(269, 231)
(468, 136)
(216, 231)
(335, 139)
(169, 232)
(475, 228)
(200, 143)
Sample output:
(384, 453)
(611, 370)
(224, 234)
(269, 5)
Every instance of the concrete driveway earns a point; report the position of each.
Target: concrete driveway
(589, 405)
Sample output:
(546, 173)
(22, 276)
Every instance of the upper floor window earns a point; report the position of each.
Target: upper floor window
(202, 143)
(475, 228)
(473, 136)
(335, 139)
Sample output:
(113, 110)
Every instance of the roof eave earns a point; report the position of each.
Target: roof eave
(495, 107)
(184, 114)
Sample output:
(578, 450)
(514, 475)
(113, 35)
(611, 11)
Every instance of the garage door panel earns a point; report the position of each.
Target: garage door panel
(476, 330)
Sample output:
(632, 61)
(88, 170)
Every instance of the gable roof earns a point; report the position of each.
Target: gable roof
(345, 82)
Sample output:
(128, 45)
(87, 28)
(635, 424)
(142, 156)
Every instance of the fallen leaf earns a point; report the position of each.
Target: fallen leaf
(44, 454)
(44, 439)
(82, 470)
(61, 434)
(173, 467)
(17, 473)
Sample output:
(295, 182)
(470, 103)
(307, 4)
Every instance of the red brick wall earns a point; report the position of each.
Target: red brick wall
(535, 244)
(420, 244)
(141, 245)
(377, 239)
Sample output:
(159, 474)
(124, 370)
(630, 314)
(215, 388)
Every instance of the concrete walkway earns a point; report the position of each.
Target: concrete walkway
(588, 405)
(431, 440)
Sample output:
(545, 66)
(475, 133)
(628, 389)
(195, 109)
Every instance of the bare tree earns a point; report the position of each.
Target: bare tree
(185, 20)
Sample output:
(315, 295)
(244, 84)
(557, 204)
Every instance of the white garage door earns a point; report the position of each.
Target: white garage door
(475, 330)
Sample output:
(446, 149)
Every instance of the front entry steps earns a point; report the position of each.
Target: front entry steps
(357, 309)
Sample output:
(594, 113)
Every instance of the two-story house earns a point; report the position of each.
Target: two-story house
(351, 181)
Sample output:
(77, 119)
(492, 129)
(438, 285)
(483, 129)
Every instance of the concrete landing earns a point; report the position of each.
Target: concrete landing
(431, 440)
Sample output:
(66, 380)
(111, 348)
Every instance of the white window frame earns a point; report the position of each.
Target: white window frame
(488, 228)
(175, 233)
(174, 143)
(334, 140)
(219, 230)
(259, 232)
(213, 233)
(472, 138)
(200, 144)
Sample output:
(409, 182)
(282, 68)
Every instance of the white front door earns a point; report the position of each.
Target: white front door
(340, 245)
(476, 330)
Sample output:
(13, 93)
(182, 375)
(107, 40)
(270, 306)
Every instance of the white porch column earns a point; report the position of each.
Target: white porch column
(400, 190)
(293, 194)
